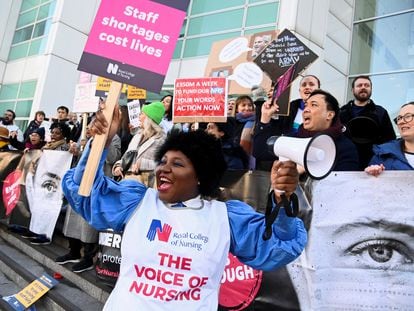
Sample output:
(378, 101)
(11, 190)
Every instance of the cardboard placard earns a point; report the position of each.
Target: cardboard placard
(134, 109)
(233, 59)
(85, 98)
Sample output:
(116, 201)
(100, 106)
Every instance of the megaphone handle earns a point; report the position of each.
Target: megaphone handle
(282, 159)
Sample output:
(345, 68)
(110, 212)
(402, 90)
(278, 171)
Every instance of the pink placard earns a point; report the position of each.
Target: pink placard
(138, 33)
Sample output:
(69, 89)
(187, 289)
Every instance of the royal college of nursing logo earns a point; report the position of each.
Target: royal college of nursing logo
(112, 68)
(161, 231)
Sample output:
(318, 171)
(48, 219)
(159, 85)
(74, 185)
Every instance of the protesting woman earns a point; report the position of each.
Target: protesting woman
(397, 154)
(176, 238)
(138, 161)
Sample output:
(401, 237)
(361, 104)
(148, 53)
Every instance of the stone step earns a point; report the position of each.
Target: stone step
(22, 262)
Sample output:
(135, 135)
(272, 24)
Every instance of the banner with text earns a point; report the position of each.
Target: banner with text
(200, 100)
(133, 42)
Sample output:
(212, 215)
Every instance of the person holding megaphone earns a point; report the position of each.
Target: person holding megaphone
(320, 116)
(177, 236)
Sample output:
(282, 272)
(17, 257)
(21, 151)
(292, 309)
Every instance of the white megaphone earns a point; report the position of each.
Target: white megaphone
(316, 154)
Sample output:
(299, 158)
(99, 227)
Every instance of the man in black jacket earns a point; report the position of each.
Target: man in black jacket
(366, 123)
(268, 123)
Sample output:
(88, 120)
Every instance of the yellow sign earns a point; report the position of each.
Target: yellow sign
(32, 292)
(136, 93)
(103, 84)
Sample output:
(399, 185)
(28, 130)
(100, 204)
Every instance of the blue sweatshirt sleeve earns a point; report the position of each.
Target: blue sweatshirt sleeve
(110, 204)
(246, 231)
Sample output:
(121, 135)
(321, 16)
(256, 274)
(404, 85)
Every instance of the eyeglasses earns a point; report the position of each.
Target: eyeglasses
(408, 117)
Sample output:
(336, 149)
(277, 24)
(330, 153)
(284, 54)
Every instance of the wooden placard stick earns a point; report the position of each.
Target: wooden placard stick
(84, 125)
(99, 142)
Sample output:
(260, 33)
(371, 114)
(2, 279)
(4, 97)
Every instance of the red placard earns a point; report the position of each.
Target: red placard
(200, 100)
(239, 284)
(11, 190)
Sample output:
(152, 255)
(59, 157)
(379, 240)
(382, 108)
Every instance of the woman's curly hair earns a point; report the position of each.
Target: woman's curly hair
(205, 153)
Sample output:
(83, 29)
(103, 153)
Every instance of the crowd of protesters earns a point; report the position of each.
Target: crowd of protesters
(362, 132)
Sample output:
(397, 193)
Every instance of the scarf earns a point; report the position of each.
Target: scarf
(54, 144)
(30, 146)
(335, 130)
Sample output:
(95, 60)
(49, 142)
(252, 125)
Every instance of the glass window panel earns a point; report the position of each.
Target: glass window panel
(178, 48)
(26, 18)
(371, 8)
(44, 1)
(374, 44)
(19, 51)
(28, 4)
(182, 31)
(217, 22)
(255, 30)
(262, 14)
(213, 5)
(9, 91)
(46, 10)
(23, 108)
(255, 1)
(202, 46)
(22, 124)
(6, 105)
(39, 29)
(23, 34)
(27, 89)
(37, 46)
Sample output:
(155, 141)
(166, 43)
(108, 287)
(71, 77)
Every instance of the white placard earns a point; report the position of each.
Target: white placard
(85, 99)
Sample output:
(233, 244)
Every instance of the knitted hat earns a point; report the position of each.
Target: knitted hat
(155, 111)
(40, 131)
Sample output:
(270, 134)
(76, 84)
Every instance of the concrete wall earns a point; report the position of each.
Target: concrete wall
(55, 71)
(325, 26)
(8, 17)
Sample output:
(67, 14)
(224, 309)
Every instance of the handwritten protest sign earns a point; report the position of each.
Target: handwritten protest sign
(200, 100)
(85, 98)
(284, 52)
(285, 55)
(132, 42)
(134, 109)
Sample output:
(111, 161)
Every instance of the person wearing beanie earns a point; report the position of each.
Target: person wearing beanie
(36, 139)
(155, 111)
(138, 161)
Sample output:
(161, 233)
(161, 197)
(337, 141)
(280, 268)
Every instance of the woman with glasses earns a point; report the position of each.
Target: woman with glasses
(397, 154)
